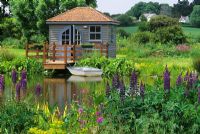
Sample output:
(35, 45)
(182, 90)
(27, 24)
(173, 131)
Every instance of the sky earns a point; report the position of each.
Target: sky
(121, 6)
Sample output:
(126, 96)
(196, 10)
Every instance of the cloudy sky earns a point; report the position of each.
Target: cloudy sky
(121, 6)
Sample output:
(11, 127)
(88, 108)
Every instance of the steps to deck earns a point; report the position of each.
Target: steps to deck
(58, 65)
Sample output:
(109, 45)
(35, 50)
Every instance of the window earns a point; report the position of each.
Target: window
(95, 33)
(66, 37)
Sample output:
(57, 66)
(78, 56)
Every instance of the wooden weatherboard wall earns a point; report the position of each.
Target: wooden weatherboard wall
(108, 33)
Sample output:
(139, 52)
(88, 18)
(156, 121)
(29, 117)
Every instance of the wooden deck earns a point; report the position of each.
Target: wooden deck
(58, 57)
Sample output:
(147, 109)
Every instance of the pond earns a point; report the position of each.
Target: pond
(62, 90)
(56, 91)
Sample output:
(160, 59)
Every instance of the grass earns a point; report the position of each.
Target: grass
(17, 52)
(189, 31)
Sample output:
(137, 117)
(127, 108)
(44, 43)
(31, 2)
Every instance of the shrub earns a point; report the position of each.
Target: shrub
(123, 33)
(12, 43)
(143, 26)
(143, 37)
(194, 18)
(161, 21)
(39, 39)
(5, 55)
(125, 20)
(16, 117)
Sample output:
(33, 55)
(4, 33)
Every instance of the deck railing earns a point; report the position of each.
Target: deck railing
(65, 53)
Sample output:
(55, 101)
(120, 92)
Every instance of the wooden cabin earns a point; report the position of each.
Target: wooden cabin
(70, 31)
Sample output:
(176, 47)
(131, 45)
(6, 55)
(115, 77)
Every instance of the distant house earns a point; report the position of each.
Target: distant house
(83, 25)
(184, 19)
(148, 16)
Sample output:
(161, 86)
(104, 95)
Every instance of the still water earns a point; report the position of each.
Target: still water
(57, 91)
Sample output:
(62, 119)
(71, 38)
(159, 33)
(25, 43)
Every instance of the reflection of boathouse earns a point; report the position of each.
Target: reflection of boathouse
(61, 92)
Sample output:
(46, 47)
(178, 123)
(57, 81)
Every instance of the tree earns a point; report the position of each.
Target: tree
(195, 16)
(138, 9)
(182, 8)
(125, 20)
(24, 12)
(32, 14)
(196, 2)
(165, 9)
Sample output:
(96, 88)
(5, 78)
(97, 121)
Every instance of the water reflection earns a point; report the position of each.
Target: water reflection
(61, 91)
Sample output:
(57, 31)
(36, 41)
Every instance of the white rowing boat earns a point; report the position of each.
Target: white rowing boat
(85, 71)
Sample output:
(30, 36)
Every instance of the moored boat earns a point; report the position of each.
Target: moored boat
(85, 71)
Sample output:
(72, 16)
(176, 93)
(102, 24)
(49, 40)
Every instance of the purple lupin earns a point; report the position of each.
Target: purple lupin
(115, 81)
(142, 90)
(108, 89)
(23, 74)
(23, 84)
(179, 80)
(18, 87)
(133, 82)
(2, 83)
(38, 89)
(167, 80)
(122, 90)
(186, 76)
(14, 76)
(199, 95)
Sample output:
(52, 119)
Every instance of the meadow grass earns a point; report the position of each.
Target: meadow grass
(17, 52)
(189, 31)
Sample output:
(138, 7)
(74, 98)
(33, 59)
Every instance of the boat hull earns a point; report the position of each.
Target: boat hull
(87, 73)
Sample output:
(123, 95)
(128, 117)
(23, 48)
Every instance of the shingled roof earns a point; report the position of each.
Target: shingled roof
(81, 15)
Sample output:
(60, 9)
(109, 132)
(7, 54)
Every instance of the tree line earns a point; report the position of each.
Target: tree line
(181, 8)
(26, 19)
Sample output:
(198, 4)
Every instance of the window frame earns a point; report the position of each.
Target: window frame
(95, 40)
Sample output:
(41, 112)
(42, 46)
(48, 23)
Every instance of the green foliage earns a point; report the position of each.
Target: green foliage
(16, 117)
(143, 37)
(142, 7)
(143, 26)
(143, 18)
(5, 55)
(182, 8)
(165, 29)
(10, 28)
(31, 65)
(123, 33)
(195, 16)
(39, 39)
(109, 66)
(13, 43)
(125, 20)
(158, 113)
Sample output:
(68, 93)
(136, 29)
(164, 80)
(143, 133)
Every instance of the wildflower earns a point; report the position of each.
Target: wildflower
(98, 113)
(142, 90)
(115, 81)
(100, 120)
(2, 83)
(14, 76)
(122, 90)
(167, 80)
(38, 89)
(23, 74)
(18, 87)
(199, 95)
(80, 110)
(108, 89)
(186, 93)
(186, 76)
(133, 81)
(23, 84)
(179, 80)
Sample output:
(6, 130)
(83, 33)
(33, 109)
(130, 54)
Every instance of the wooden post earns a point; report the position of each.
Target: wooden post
(65, 53)
(44, 53)
(26, 50)
(101, 45)
(74, 53)
(54, 52)
(107, 50)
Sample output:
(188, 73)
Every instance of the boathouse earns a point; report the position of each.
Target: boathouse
(83, 25)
